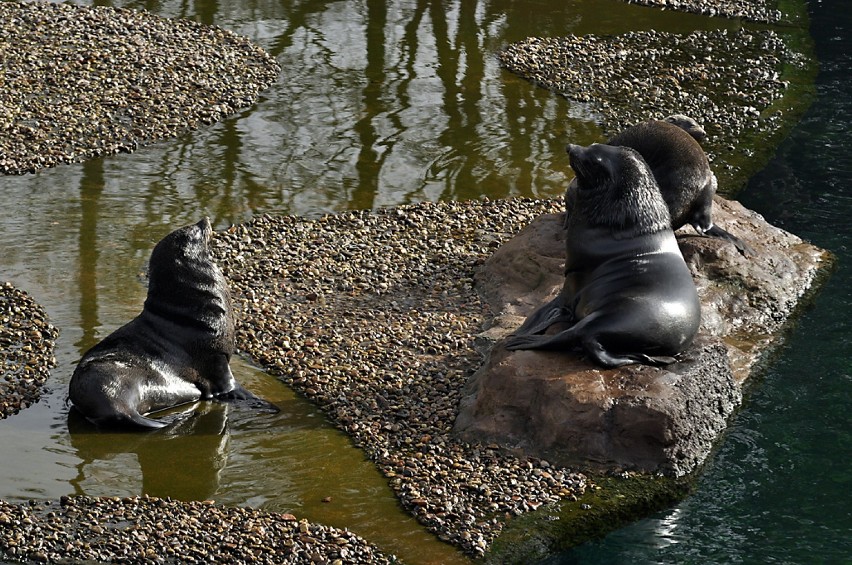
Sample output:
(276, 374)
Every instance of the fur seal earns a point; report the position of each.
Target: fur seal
(176, 351)
(671, 148)
(628, 294)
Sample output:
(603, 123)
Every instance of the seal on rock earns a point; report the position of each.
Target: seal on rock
(628, 294)
(688, 125)
(176, 351)
(672, 150)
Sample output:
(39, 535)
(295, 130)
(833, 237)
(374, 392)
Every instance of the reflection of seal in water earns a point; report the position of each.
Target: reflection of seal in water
(628, 293)
(680, 166)
(176, 351)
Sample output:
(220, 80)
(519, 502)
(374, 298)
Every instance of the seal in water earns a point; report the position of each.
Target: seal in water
(671, 148)
(628, 294)
(176, 351)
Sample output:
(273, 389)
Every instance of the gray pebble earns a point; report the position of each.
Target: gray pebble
(80, 82)
(27, 343)
(373, 315)
(755, 10)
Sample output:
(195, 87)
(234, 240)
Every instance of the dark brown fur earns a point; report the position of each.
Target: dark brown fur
(628, 293)
(681, 169)
(177, 350)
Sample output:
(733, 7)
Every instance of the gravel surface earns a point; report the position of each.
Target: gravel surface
(27, 342)
(755, 10)
(154, 530)
(79, 82)
(373, 315)
(724, 80)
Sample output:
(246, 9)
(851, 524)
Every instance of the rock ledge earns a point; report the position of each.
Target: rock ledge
(563, 408)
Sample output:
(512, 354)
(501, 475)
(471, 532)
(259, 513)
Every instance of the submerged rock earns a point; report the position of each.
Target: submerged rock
(562, 407)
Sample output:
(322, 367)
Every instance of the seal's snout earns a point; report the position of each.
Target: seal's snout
(205, 227)
(573, 150)
(577, 157)
(575, 154)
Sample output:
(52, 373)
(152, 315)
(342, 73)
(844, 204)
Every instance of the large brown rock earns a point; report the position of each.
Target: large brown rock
(562, 407)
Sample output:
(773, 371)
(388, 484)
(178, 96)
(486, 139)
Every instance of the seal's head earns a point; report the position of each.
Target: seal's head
(184, 250)
(688, 125)
(189, 242)
(184, 280)
(615, 188)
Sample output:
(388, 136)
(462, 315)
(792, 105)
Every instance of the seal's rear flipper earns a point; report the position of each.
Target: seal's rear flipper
(147, 423)
(131, 422)
(551, 313)
(563, 340)
(124, 418)
(716, 231)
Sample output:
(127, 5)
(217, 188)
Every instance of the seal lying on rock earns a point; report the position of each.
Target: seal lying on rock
(672, 150)
(628, 293)
(176, 351)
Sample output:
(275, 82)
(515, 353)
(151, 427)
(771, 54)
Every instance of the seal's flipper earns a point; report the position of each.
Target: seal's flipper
(218, 375)
(603, 357)
(563, 340)
(516, 342)
(237, 393)
(129, 420)
(657, 360)
(597, 351)
(240, 394)
(551, 313)
(716, 231)
(148, 423)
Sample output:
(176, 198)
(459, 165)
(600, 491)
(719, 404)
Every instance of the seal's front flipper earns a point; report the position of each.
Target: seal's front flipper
(715, 231)
(241, 394)
(612, 360)
(656, 360)
(237, 393)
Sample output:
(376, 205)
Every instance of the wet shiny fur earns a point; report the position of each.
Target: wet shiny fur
(680, 166)
(176, 351)
(628, 295)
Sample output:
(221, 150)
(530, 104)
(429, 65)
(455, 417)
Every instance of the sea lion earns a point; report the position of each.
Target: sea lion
(628, 293)
(671, 148)
(688, 125)
(176, 351)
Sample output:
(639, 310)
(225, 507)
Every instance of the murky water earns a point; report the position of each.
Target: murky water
(379, 103)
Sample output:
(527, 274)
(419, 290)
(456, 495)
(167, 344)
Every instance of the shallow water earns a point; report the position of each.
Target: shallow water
(379, 103)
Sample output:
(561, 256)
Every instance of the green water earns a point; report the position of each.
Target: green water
(379, 103)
